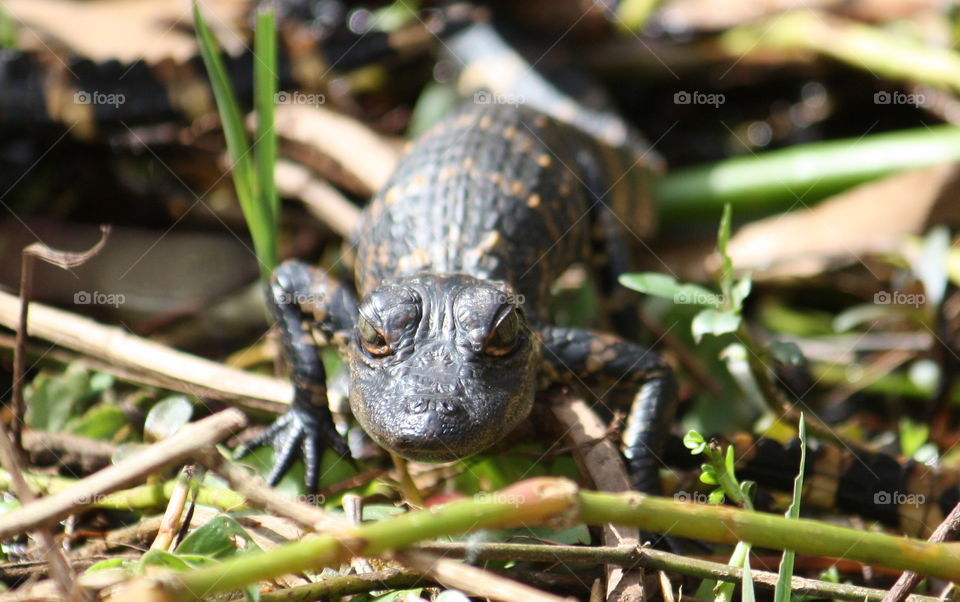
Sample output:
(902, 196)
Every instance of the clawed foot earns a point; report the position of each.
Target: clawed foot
(295, 435)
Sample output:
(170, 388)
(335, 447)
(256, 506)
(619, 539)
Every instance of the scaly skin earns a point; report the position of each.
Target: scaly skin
(454, 260)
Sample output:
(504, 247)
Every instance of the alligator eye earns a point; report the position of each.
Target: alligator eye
(504, 337)
(371, 338)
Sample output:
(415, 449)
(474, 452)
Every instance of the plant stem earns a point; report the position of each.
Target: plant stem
(775, 180)
(728, 525)
(881, 53)
(553, 501)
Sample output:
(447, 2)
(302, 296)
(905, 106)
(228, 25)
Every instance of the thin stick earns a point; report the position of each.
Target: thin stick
(474, 581)
(170, 525)
(182, 447)
(61, 259)
(260, 496)
(600, 458)
(948, 529)
(115, 345)
(321, 199)
(60, 569)
(352, 146)
(629, 556)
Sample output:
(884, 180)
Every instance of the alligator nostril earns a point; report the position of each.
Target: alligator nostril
(446, 407)
(418, 406)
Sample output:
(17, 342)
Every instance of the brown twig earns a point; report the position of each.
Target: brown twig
(600, 458)
(259, 495)
(66, 449)
(630, 556)
(472, 580)
(182, 447)
(170, 524)
(351, 146)
(60, 569)
(10, 442)
(322, 200)
(62, 259)
(908, 580)
(114, 345)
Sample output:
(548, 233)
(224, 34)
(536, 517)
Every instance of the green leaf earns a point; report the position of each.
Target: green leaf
(925, 375)
(106, 565)
(739, 292)
(785, 575)
(667, 287)
(708, 474)
(716, 496)
(711, 321)
(912, 436)
(53, 400)
(860, 314)
(400, 594)
(259, 216)
(723, 237)
(787, 353)
(747, 594)
(264, 99)
(167, 417)
(161, 559)
(99, 422)
(932, 267)
(695, 442)
(221, 537)
(729, 462)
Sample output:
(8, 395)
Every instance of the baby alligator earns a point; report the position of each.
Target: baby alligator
(455, 256)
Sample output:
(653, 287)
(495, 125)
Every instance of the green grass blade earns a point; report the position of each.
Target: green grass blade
(774, 180)
(782, 591)
(259, 218)
(264, 101)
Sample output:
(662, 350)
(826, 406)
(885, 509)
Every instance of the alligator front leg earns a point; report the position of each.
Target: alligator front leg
(607, 361)
(311, 308)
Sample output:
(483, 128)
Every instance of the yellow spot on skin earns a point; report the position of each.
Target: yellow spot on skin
(494, 177)
(544, 161)
(490, 241)
(420, 181)
(517, 187)
(468, 163)
(534, 201)
(509, 132)
(485, 122)
(465, 120)
(540, 121)
(392, 195)
(565, 189)
(446, 173)
(415, 260)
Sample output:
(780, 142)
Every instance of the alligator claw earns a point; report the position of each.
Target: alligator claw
(294, 436)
